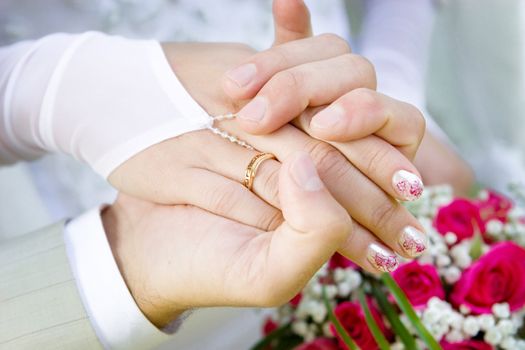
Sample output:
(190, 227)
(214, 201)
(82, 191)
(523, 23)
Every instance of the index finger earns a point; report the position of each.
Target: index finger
(247, 79)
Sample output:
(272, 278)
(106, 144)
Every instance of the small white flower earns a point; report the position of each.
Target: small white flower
(508, 343)
(471, 326)
(451, 238)
(438, 330)
(435, 303)
(517, 320)
(493, 336)
(309, 336)
(452, 274)
(455, 321)
(483, 195)
(501, 310)
(397, 346)
(327, 331)
(354, 278)
(316, 290)
(443, 260)
(464, 309)
(339, 274)
(344, 289)
(506, 327)
(331, 291)
(431, 316)
(520, 344)
(319, 313)
(494, 227)
(486, 322)
(454, 336)
(300, 328)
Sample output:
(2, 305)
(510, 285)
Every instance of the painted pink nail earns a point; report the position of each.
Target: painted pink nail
(409, 186)
(413, 242)
(382, 258)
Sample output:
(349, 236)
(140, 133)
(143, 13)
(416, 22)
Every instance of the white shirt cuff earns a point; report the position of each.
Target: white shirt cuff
(116, 318)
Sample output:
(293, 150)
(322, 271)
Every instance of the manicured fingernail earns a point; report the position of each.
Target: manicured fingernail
(254, 111)
(327, 118)
(242, 75)
(413, 242)
(409, 186)
(382, 258)
(304, 173)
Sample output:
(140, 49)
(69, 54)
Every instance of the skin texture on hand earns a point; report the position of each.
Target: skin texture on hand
(202, 169)
(175, 258)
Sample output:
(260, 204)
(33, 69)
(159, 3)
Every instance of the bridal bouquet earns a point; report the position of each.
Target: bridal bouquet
(467, 291)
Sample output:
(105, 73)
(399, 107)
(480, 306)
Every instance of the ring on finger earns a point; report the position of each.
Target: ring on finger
(251, 169)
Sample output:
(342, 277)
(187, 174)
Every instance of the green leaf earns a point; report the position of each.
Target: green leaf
(341, 331)
(476, 247)
(405, 306)
(372, 324)
(276, 334)
(391, 314)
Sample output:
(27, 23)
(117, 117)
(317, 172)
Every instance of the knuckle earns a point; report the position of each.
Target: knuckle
(336, 41)
(364, 70)
(326, 157)
(285, 83)
(289, 79)
(382, 215)
(221, 200)
(269, 183)
(377, 156)
(367, 99)
(277, 57)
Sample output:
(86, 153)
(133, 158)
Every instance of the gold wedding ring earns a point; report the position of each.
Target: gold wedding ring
(251, 169)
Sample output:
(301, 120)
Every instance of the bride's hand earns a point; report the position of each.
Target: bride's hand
(207, 171)
(202, 169)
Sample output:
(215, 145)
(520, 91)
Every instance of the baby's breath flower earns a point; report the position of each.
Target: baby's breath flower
(486, 322)
(501, 310)
(493, 336)
(471, 326)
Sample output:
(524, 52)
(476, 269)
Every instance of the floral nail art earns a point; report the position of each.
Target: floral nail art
(381, 258)
(409, 186)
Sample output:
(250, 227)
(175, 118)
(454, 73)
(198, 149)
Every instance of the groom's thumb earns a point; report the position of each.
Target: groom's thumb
(309, 208)
(291, 20)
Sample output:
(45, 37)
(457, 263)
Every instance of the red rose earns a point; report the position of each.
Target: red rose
(269, 326)
(352, 318)
(496, 206)
(319, 344)
(337, 260)
(461, 217)
(466, 345)
(419, 282)
(497, 277)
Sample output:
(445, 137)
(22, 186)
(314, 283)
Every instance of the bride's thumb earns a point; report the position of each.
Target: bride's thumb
(291, 20)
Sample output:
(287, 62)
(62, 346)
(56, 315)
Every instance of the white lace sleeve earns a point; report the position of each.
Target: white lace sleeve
(99, 98)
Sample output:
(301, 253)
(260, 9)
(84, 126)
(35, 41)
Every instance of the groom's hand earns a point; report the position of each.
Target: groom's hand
(176, 258)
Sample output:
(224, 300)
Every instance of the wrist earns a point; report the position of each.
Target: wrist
(157, 310)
